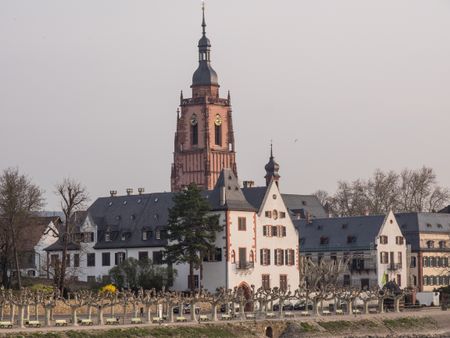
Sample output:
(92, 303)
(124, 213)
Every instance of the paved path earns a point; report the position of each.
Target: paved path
(425, 312)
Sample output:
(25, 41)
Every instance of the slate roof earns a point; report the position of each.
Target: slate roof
(338, 230)
(32, 232)
(129, 215)
(228, 189)
(78, 218)
(298, 205)
(413, 223)
(446, 210)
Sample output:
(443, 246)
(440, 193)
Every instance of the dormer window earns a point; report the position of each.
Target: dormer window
(146, 234)
(158, 234)
(324, 240)
(442, 244)
(351, 239)
(430, 244)
(88, 237)
(108, 236)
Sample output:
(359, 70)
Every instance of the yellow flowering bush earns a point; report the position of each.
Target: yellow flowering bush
(109, 288)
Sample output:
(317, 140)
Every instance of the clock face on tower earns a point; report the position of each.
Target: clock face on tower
(218, 120)
(194, 120)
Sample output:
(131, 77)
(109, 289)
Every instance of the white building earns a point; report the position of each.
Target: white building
(258, 245)
(373, 245)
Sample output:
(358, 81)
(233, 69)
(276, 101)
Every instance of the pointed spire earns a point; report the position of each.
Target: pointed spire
(181, 97)
(229, 98)
(272, 168)
(203, 19)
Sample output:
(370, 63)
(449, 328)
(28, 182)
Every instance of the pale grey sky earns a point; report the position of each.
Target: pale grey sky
(89, 89)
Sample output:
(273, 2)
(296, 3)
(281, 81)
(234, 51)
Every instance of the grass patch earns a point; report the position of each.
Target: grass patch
(336, 326)
(409, 323)
(207, 331)
(307, 327)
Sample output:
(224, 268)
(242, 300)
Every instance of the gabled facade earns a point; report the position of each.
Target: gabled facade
(40, 232)
(373, 246)
(429, 236)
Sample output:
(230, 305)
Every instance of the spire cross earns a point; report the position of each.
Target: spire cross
(203, 17)
(271, 149)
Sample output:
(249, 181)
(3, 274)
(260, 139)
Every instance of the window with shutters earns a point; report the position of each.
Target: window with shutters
(119, 257)
(274, 231)
(265, 256)
(157, 257)
(279, 257)
(106, 259)
(195, 281)
(265, 231)
(268, 213)
(76, 260)
(399, 240)
(265, 282)
(143, 255)
(384, 257)
(213, 255)
(242, 224)
(383, 239)
(283, 282)
(290, 257)
(90, 257)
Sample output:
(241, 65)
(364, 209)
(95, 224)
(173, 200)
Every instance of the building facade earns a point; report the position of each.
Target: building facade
(429, 237)
(373, 248)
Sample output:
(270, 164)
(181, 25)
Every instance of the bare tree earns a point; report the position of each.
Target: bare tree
(19, 198)
(323, 196)
(419, 191)
(382, 192)
(409, 191)
(74, 197)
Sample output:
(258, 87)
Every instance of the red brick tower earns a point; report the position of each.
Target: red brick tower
(204, 140)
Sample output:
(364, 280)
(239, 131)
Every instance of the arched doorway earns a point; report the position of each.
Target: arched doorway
(269, 332)
(248, 296)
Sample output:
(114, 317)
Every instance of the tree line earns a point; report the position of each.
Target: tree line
(20, 201)
(409, 190)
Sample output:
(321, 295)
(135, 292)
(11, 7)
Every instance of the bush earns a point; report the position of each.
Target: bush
(108, 288)
(42, 287)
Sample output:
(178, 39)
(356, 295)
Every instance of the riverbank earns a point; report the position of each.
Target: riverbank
(420, 324)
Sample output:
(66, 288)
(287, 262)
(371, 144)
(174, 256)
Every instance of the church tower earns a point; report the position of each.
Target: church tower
(204, 139)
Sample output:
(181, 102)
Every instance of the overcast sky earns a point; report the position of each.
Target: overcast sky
(89, 88)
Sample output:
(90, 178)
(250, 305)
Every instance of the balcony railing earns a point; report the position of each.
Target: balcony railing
(207, 99)
(394, 266)
(245, 265)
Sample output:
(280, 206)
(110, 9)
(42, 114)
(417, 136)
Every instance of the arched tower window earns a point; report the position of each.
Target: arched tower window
(195, 134)
(218, 135)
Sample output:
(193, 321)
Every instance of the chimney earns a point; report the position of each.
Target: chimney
(141, 191)
(113, 193)
(129, 191)
(223, 198)
(249, 184)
